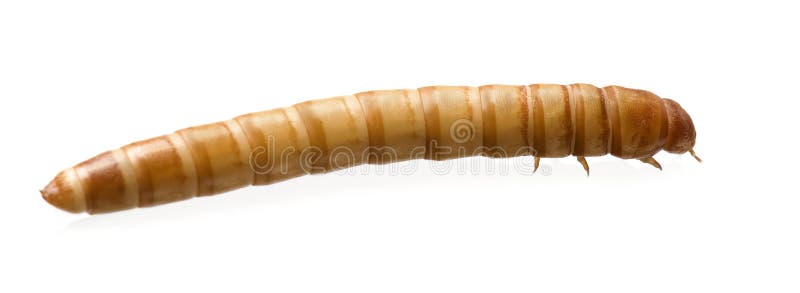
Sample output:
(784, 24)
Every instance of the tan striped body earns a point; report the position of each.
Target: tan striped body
(440, 122)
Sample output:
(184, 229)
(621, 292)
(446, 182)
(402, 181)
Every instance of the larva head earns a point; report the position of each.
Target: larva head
(681, 134)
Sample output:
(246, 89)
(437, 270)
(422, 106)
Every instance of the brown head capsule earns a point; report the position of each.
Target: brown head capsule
(681, 134)
(437, 123)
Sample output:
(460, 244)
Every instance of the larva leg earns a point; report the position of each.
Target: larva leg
(651, 161)
(585, 165)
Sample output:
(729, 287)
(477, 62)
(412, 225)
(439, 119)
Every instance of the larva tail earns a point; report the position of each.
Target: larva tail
(65, 192)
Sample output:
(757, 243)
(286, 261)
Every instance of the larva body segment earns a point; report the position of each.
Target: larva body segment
(395, 124)
(447, 109)
(385, 126)
(269, 131)
(553, 132)
(592, 130)
(336, 131)
(507, 127)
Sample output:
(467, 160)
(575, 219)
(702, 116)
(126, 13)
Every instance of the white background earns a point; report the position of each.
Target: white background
(81, 77)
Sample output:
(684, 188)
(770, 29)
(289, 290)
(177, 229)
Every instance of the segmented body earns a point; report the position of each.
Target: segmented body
(438, 122)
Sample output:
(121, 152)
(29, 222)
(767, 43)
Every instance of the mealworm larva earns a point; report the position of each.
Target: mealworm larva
(436, 123)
